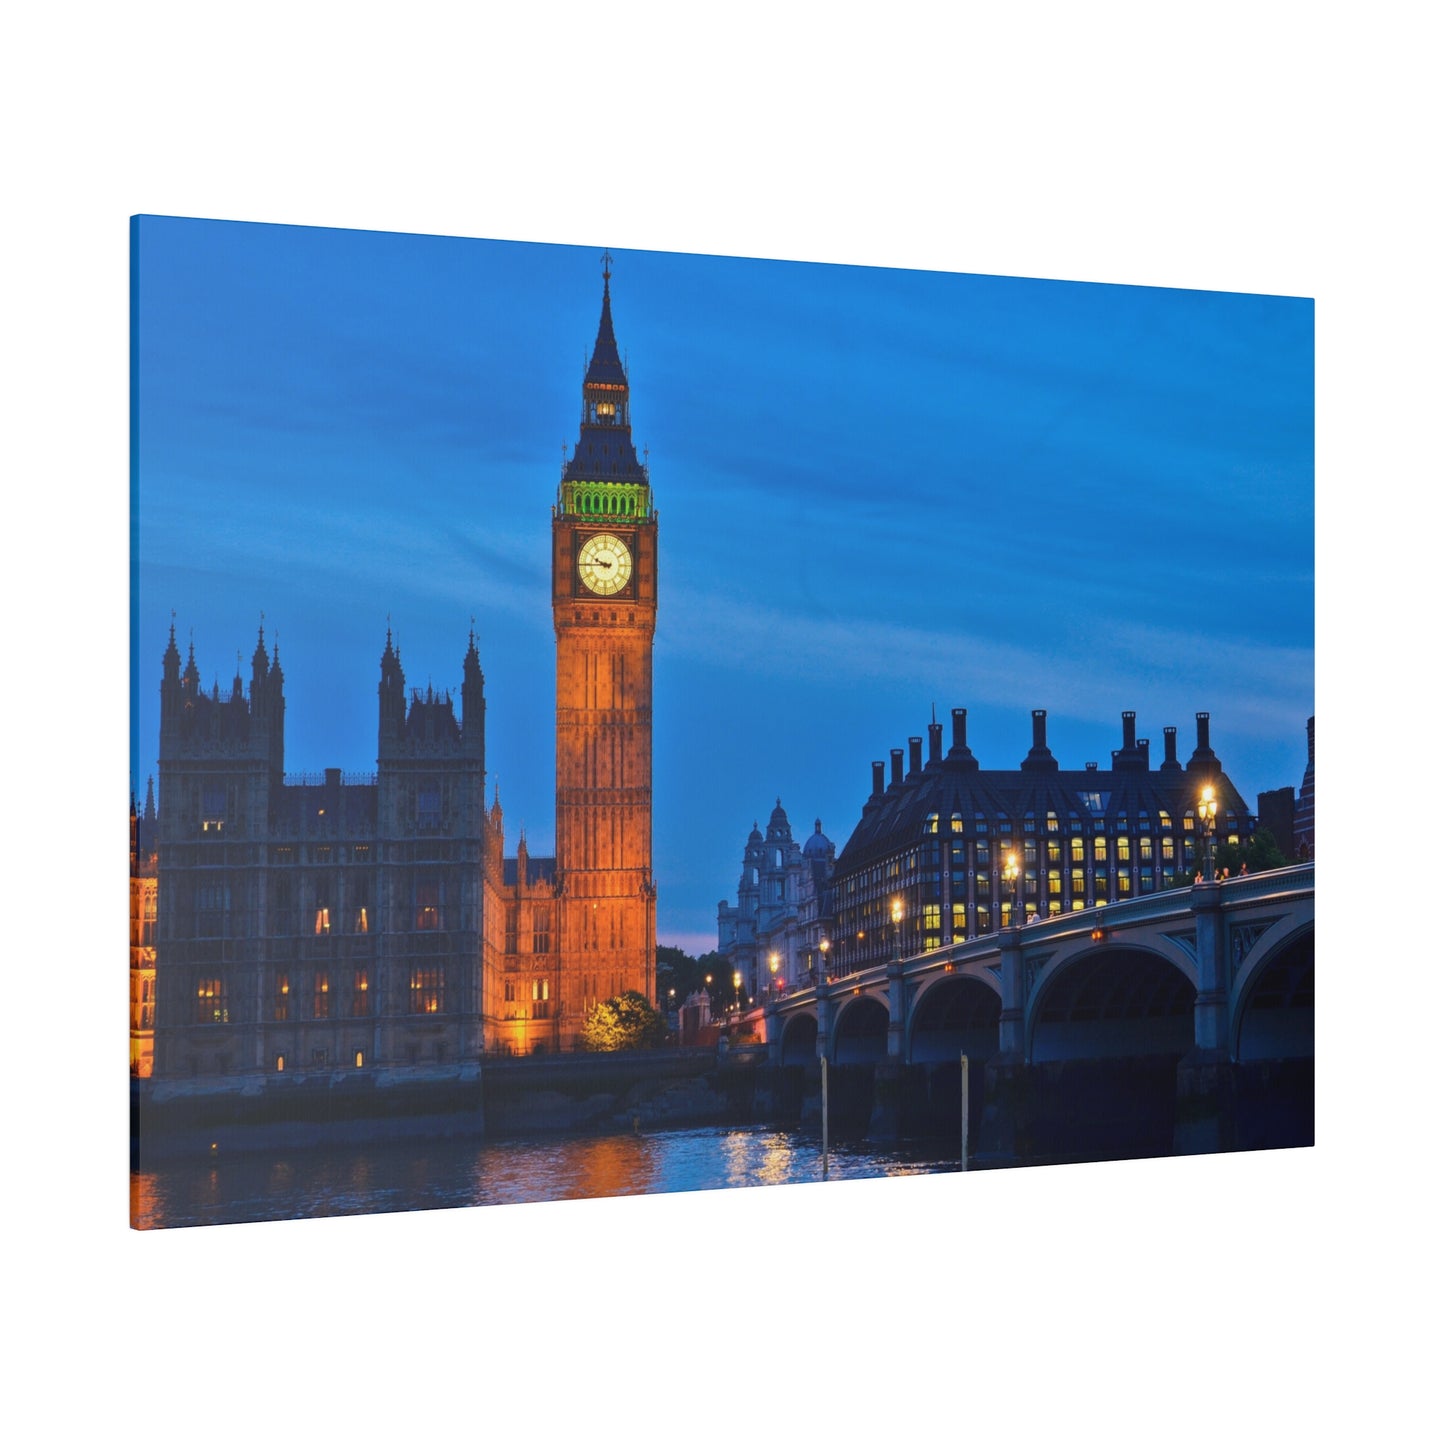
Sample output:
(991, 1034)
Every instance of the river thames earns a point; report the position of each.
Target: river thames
(459, 1174)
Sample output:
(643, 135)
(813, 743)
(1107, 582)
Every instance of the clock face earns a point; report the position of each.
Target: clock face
(604, 564)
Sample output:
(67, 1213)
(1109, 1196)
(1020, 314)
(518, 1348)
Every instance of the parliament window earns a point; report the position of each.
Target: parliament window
(321, 996)
(211, 1007)
(428, 906)
(281, 1003)
(360, 993)
(427, 990)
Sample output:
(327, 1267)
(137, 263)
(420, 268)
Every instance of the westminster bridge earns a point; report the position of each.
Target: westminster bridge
(1188, 1015)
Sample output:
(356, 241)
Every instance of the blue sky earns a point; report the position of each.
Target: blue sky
(879, 492)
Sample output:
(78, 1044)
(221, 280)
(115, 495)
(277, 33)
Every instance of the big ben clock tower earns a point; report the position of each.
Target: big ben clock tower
(604, 610)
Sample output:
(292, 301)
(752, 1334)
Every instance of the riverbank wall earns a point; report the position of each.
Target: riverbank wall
(1091, 1109)
(512, 1098)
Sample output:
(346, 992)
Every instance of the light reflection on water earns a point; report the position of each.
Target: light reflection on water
(451, 1174)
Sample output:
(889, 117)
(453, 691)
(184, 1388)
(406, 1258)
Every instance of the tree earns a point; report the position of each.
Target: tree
(625, 1022)
(686, 975)
(1260, 855)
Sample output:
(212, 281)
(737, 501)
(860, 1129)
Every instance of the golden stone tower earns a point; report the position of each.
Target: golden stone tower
(604, 610)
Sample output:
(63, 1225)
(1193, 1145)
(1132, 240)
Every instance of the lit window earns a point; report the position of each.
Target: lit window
(1056, 885)
(957, 822)
(427, 990)
(1101, 850)
(321, 997)
(1146, 849)
(363, 925)
(428, 907)
(323, 920)
(1121, 848)
(1166, 849)
(1076, 850)
(282, 1009)
(360, 1059)
(360, 994)
(211, 1007)
(280, 1063)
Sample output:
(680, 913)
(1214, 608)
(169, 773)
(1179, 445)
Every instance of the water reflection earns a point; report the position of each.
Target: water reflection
(448, 1173)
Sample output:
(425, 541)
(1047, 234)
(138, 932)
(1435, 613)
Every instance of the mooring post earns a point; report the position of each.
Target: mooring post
(825, 1115)
(963, 1071)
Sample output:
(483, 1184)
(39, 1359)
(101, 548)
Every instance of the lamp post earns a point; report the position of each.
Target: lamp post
(823, 949)
(1011, 877)
(738, 991)
(773, 969)
(896, 909)
(1208, 808)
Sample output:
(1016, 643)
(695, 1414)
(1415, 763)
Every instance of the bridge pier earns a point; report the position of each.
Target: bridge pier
(897, 1035)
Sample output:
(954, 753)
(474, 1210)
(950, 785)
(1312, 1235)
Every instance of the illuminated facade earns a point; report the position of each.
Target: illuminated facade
(604, 610)
(937, 838)
(782, 913)
(143, 937)
(330, 924)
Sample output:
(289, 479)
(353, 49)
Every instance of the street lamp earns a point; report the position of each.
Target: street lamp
(823, 949)
(896, 909)
(1011, 877)
(738, 991)
(1208, 808)
(773, 967)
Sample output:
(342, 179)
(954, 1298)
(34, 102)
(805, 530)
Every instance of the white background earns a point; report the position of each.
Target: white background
(1266, 147)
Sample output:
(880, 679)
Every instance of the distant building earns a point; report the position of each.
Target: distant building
(781, 914)
(1275, 812)
(1304, 813)
(937, 837)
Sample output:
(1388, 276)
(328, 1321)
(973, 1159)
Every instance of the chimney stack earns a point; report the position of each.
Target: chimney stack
(1171, 757)
(877, 780)
(1128, 730)
(1040, 759)
(896, 757)
(915, 755)
(935, 742)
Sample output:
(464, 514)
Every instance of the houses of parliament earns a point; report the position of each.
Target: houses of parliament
(373, 923)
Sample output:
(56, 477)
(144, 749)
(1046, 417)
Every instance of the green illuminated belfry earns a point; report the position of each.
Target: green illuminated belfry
(604, 477)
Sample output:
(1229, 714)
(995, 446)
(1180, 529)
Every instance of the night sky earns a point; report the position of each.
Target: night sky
(879, 492)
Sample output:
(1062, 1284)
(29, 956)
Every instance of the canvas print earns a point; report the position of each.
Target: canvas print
(608, 721)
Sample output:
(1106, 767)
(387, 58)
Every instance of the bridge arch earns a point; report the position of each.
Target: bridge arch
(860, 1035)
(1111, 1002)
(800, 1039)
(955, 1014)
(1273, 1016)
